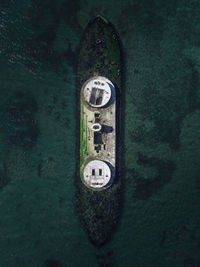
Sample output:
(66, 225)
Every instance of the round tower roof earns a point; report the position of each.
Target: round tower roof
(97, 91)
(97, 174)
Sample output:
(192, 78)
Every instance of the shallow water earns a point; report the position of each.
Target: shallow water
(160, 220)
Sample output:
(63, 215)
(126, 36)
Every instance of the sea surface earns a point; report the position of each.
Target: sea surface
(160, 217)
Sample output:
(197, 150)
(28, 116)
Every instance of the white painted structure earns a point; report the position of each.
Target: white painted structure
(97, 92)
(97, 174)
(98, 99)
(96, 127)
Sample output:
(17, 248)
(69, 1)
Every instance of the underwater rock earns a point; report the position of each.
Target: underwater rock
(3, 177)
(47, 167)
(145, 188)
(16, 163)
(163, 239)
(105, 259)
(191, 263)
(19, 124)
(52, 263)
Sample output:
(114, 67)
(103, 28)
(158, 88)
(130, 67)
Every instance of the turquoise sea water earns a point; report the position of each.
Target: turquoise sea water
(160, 220)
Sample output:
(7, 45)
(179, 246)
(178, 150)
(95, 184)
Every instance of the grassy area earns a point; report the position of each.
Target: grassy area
(83, 141)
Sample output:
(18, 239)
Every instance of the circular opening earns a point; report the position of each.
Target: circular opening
(98, 41)
(95, 127)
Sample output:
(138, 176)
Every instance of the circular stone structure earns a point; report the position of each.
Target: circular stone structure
(97, 174)
(97, 91)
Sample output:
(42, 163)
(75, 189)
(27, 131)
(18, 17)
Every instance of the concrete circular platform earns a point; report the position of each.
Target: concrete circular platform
(97, 174)
(97, 91)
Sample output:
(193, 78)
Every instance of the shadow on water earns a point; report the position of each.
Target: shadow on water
(121, 126)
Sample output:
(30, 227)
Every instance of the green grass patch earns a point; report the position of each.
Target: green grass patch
(83, 140)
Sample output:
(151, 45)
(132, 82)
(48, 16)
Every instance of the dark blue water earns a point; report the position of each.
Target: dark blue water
(160, 220)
